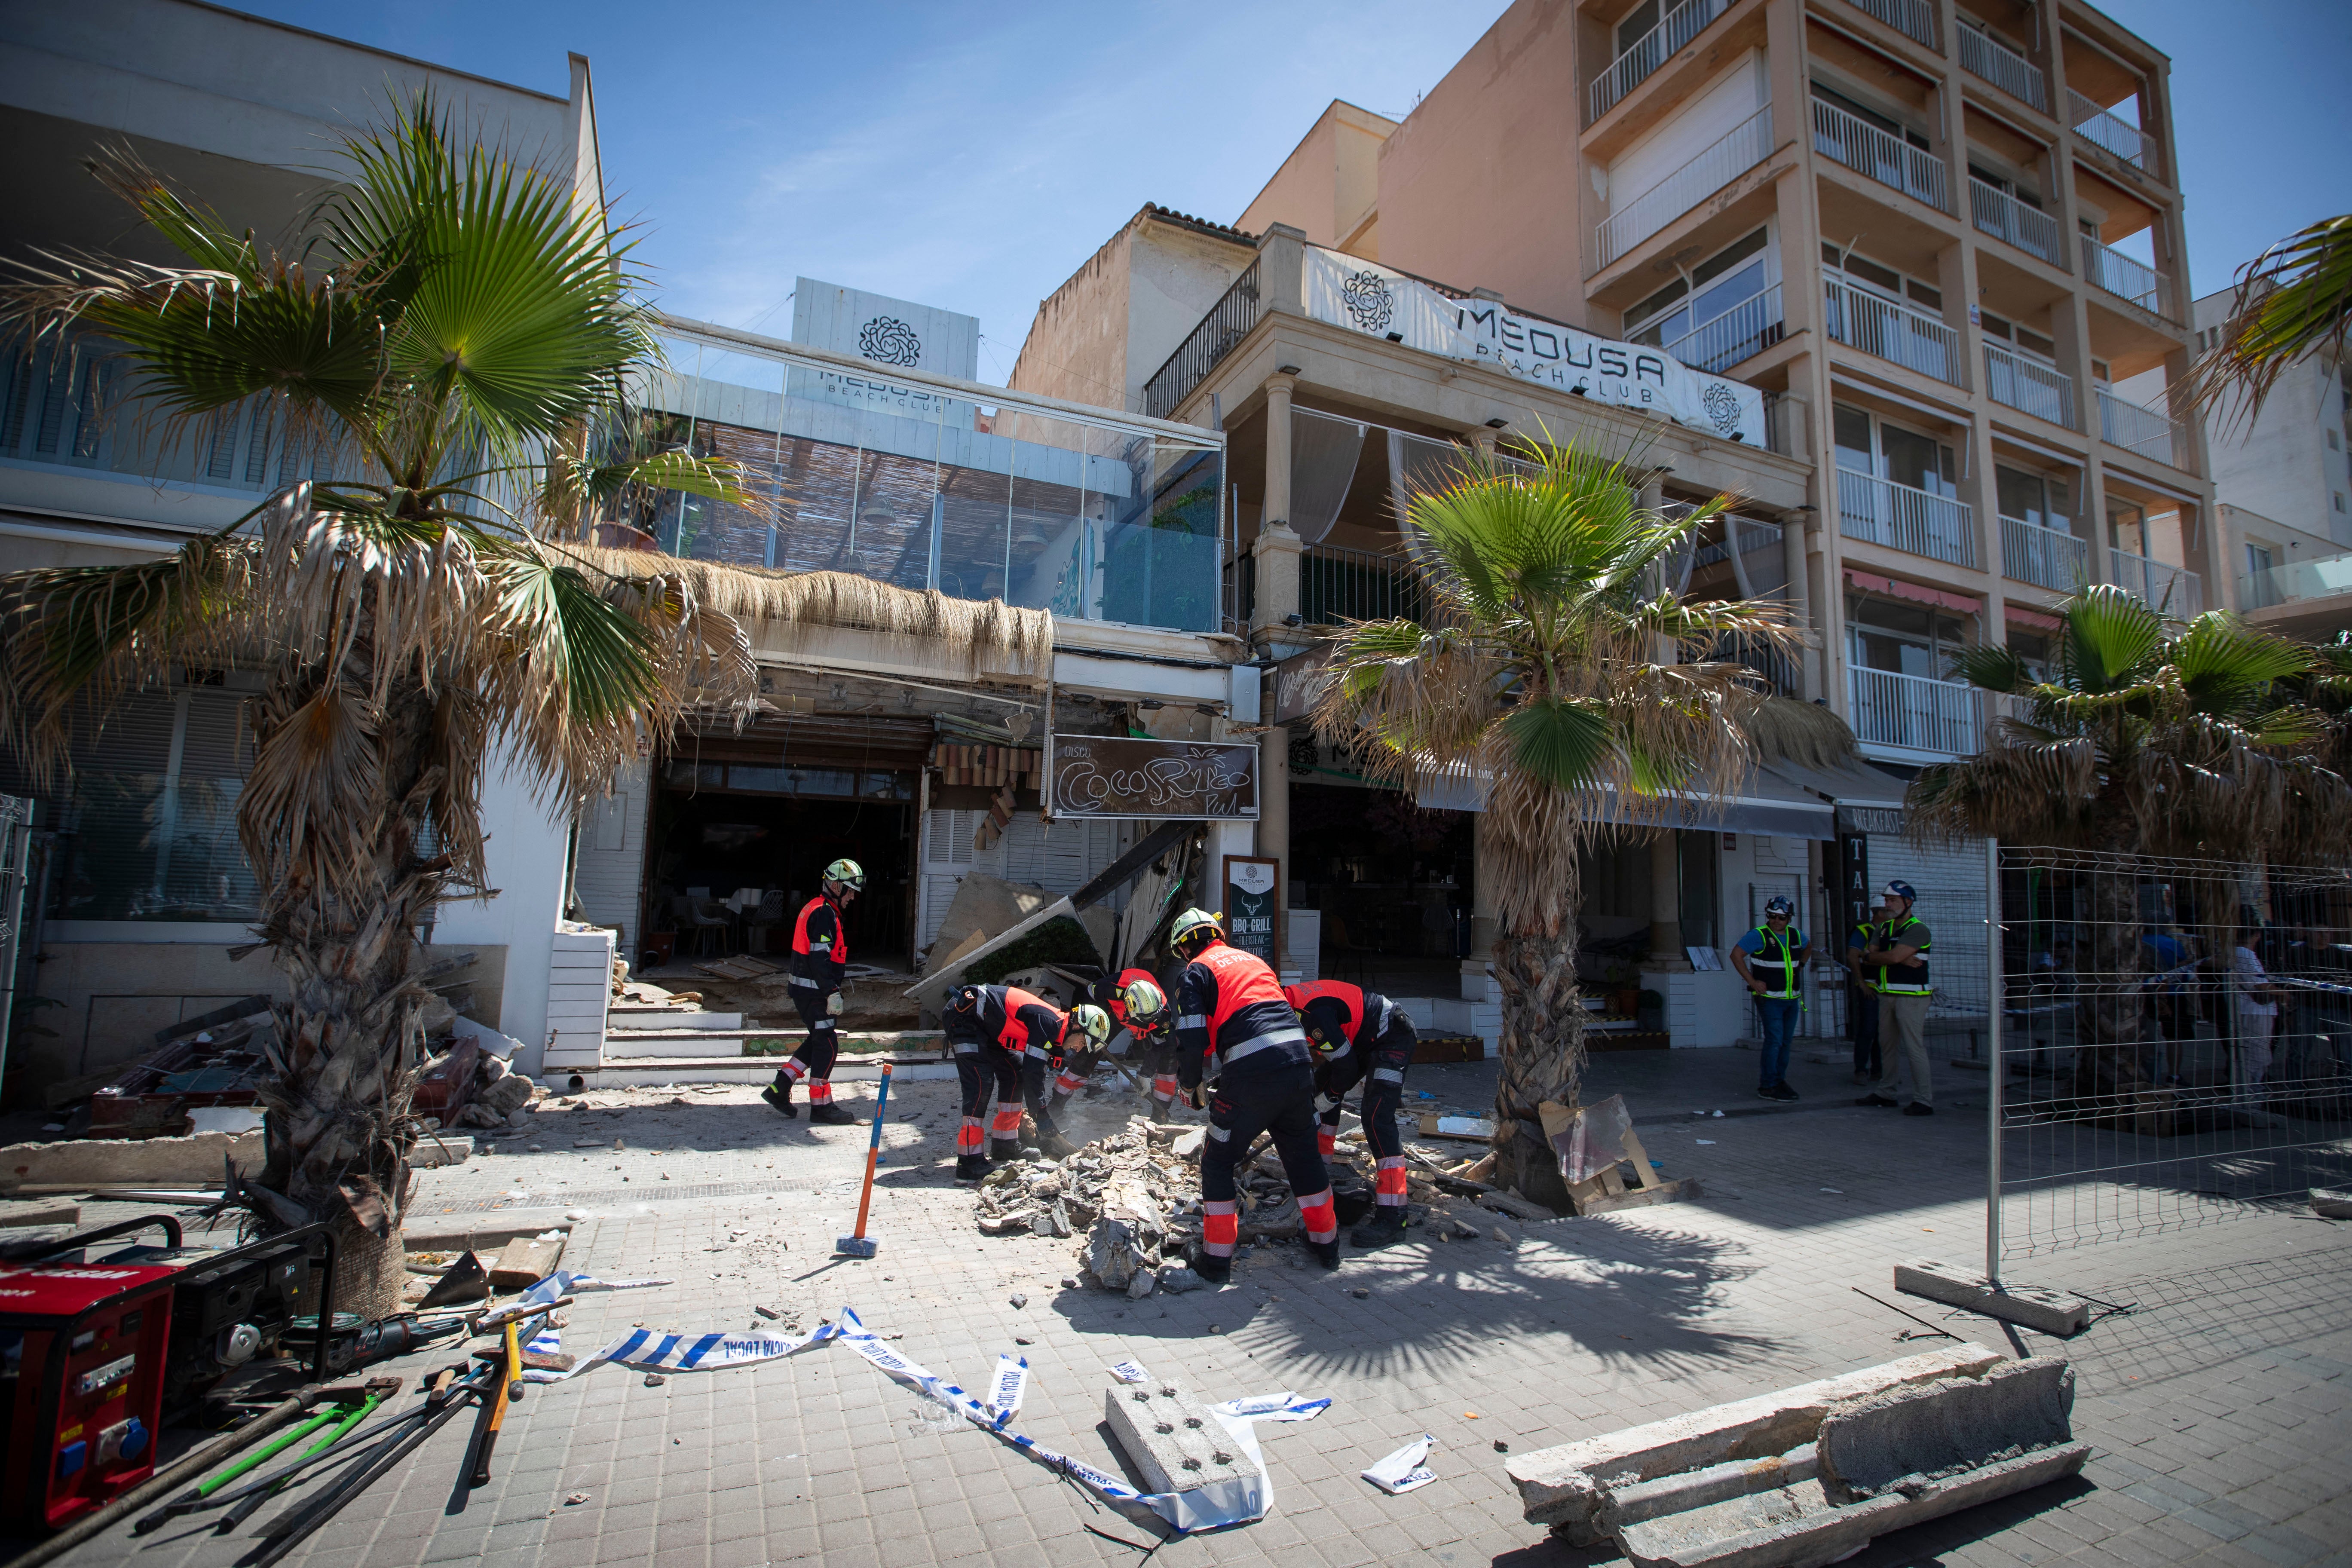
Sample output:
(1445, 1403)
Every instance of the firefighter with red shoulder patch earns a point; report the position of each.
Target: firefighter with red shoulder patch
(1361, 1036)
(1005, 1038)
(820, 959)
(1239, 1044)
(1134, 999)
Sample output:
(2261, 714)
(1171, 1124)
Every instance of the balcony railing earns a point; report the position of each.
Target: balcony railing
(2104, 131)
(2028, 385)
(2171, 589)
(2135, 280)
(2148, 431)
(2328, 577)
(1748, 328)
(1916, 712)
(1739, 150)
(1337, 584)
(1878, 325)
(1914, 18)
(2002, 215)
(1881, 154)
(1982, 55)
(1652, 49)
(2042, 556)
(1229, 320)
(1880, 511)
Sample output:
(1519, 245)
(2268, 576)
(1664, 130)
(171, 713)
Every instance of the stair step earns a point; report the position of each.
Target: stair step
(637, 1019)
(637, 1072)
(761, 1044)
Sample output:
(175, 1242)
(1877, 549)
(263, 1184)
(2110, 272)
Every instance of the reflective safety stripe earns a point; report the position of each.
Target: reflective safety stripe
(969, 1137)
(1316, 1217)
(1221, 1227)
(1326, 1139)
(1260, 1042)
(1389, 1180)
(795, 1069)
(967, 1047)
(1222, 1134)
(1387, 1075)
(806, 984)
(1193, 1021)
(1341, 1054)
(820, 1091)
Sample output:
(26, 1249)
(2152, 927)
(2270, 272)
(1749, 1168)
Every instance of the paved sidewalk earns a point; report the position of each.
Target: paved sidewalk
(2217, 1406)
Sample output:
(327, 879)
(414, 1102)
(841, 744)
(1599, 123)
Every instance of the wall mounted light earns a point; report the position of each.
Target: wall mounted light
(1396, 337)
(1497, 424)
(1288, 370)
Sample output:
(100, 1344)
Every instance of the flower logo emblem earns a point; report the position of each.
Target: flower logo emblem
(1722, 407)
(1369, 301)
(889, 341)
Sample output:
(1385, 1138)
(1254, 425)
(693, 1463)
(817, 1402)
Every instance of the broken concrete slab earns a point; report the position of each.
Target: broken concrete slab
(2046, 1311)
(2332, 1203)
(1689, 1490)
(1891, 1442)
(1564, 1486)
(1176, 1443)
(38, 1211)
(97, 1162)
(524, 1262)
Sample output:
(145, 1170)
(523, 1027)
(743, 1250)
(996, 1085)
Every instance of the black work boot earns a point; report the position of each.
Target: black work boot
(780, 1095)
(1212, 1268)
(1386, 1225)
(831, 1115)
(1005, 1148)
(1351, 1206)
(971, 1167)
(1326, 1253)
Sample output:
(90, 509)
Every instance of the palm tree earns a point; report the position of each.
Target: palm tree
(1549, 671)
(2291, 301)
(2147, 738)
(446, 337)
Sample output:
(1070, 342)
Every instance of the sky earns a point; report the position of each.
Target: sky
(973, 157)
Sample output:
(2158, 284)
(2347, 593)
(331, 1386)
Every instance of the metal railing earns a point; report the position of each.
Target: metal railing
(1984, 56)
(1880, 511)
(1916, 19)
(1883, 156)
(2105, 131)
(1740, 149)
(1748, 328)
(1337, 584)
(2042, 556)
(1916, 712)
(2150, 432)
(1652, 49)
(2328, 577)
(2120, 275)
(1229, 320)
(2028, 385)
(2002, 215)
(2172, 589)
(1878, 325)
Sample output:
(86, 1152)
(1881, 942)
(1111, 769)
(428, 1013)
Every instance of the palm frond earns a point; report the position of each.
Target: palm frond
(2291, 301)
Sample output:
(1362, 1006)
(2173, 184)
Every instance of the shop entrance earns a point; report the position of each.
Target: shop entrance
(1395, 885)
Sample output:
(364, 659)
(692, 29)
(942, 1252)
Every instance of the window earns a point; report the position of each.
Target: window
(2031, 497)
(1717, 285)
(2339, 499)
(1900, 637)
(1903, 456)
(2004, 184)
(2258, 559)
(1860, 268)
(1636, 25)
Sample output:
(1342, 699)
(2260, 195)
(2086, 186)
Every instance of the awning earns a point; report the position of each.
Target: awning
(2025, 617)
(1762, 805)
(1895, 587)
(1867, 800)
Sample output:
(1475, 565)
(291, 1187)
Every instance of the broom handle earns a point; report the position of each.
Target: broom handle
(873, 1150)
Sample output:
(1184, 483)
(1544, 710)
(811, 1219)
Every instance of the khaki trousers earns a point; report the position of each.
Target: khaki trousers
(1903, 1034)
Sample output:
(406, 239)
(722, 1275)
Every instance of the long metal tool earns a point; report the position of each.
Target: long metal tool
(352, 1416)
(858, 1244)
(291, 1530)
(494, 1407)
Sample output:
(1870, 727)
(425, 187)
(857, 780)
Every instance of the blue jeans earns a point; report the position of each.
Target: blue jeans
(1777, 1014)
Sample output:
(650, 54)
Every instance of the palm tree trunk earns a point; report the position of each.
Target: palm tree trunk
(1543, 1052)
(2111, 1021)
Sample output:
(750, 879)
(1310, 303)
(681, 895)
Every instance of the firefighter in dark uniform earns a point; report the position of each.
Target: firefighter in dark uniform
(820, 958)
(1134, 1001)
(1360, 1037)
(1004, 1037)
(1238, 1040)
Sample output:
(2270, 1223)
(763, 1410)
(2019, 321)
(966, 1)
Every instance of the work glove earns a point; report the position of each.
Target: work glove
(834, 1004)
(1324, 1102)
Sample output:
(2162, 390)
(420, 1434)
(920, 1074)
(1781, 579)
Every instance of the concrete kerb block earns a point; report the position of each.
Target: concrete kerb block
(2332, 1203)
(1177, 1443)
(1900, 1440)
(2046, 1311)
(1565, 1487)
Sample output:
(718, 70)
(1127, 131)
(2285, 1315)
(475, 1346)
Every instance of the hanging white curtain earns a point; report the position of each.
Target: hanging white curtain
(1324, 450)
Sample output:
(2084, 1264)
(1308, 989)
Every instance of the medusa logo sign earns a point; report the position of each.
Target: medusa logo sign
(1369, 301)
(889, 341)
(1722, 407)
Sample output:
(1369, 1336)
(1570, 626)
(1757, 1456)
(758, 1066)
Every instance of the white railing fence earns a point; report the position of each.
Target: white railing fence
(1878, 325)
(1749, 327)
(2002, 215)
(2150, 432)
(2172, 589)
(1916, 18)
(2028, 385)
(1881, 154)
(1738, 151)
(2119, 274)
(1916, 712)
(1880, 511)
(1652, 49)
(1982, 55)
(2042, 556)
(2104, 131)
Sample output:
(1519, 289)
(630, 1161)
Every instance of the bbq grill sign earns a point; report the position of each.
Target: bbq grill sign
(1111, 776)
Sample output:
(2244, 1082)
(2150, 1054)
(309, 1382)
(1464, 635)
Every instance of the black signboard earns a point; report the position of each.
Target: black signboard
(1114, 776)
(1253, 906)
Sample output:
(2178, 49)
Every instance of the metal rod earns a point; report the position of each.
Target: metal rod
(1998, 1070)
(289, 1532)
(195, 1462)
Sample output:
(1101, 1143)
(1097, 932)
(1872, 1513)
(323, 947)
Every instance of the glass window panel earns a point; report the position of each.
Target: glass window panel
(1636, 25)
(823, 781)
(1911, 459)
(1744, 284)
(1658, 302)
(1870, 271)
(756, 777)
(1931, 297)
(1851, 429)
(1730, 257)
(2022, 496)
(695, 776)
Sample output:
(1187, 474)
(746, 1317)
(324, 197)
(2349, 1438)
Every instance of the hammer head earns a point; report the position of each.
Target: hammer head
(854, 1247)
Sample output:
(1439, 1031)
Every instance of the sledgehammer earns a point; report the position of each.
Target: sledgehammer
(858, 1244)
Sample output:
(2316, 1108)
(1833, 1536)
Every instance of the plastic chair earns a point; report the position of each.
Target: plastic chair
(695, 919)
(763, 920)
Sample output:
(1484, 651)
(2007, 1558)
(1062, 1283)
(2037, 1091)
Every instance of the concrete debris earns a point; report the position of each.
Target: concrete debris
(1177, 1444)
(1143, 1282)
(2332, 1203)
(1019, 1301)
(1176, 1277)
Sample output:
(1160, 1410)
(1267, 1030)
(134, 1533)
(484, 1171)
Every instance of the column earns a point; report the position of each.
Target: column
(1795, 566)
(1484, 927)
(1278, 549)
(1274, 808)
(1666, 904)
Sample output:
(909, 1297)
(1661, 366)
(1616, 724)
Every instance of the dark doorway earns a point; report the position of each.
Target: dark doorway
(1395, 885)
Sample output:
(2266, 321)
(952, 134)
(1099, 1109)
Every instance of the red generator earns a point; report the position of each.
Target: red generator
(81, 1383)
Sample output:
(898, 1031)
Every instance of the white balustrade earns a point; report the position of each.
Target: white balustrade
(1916, 712)
(2028, 385)
(1881, 154)
(1880, 512)
(1878, 325)
(1731, 155)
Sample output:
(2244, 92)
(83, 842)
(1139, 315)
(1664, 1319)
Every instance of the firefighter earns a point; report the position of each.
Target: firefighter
(1239, 1048)
(1133, 998)
(820, 958)
(1361, 1036)
(1004, 1037)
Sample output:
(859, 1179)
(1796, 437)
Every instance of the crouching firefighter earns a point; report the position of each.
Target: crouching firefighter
(820, 959)
(1361, 1036)
(1009, 1042)
(1134, 1000)
(1240, 1047)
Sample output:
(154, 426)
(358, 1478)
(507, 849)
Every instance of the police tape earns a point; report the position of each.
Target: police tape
(1403, 1470)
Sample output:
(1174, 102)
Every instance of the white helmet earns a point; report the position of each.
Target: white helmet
(1144, 1001)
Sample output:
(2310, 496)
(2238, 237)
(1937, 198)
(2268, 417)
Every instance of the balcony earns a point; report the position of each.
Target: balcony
(1652, 49)
(2042, 556)
(2121, 276)
(1229, 320)
(2174, 590)
(2148, 431)
(2296, 582)
(2105, 131)
(1741, 149)
(1988, 58)
(1748, 328)
(1337, 585)
(1916, 19)
(1878, 326)
(1881, 154)
(1880, 511)
(2029, 386)
(2003, 216)
(1915, 712)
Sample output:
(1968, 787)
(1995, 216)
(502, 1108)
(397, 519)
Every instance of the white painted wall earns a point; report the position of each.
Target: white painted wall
(2283, 465)
(608, 872)
(525, 856)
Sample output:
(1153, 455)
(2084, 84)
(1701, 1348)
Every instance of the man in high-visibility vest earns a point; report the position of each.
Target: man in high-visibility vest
(1361, 1036)
(1771, 960)
(820, 960)
(1004, 1037)
(1898, 959)
(1239, 1047)
(1134, 1001)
